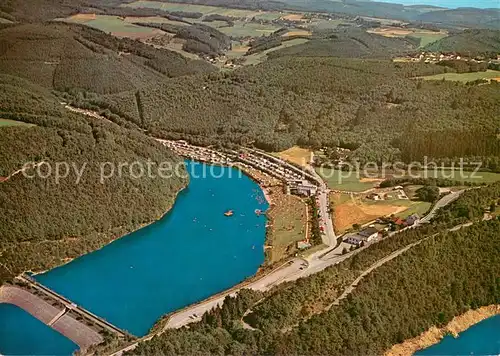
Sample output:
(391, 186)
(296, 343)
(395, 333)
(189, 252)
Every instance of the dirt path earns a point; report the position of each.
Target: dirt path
(33, 166)
(373, 267)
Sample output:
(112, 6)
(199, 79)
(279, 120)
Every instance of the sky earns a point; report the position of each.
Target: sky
(495, 4)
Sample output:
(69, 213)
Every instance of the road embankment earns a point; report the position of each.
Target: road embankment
(434, 335)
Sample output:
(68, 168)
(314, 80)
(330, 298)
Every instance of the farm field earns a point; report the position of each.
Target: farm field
(204, 9)
(245, 29)
(350, 210)
(260, 57)
(7, 122)
(419, 208)
(297, 155)
(337, 180)
(116, 26)
(320, 24)
(153, 19)
(464, 77)
(426, 37)
(288, 219)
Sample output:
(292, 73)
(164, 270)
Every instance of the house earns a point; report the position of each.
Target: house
(364, 236)
(369, 233)
(412, 219)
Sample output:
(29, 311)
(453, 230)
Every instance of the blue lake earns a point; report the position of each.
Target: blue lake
(22, 334)
(190, 254)
(480, 339)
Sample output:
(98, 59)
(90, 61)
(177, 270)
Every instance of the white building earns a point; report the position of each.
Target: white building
(365, 235)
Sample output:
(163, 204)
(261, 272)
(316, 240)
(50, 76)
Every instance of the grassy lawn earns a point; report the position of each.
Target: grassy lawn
(7, 122)
(295, 154)
(324, 24)
(243, 29)
(114, 24)
(262, 56)
(288, 219)
(464, 77)
(336, 180)
(426, 37)
(419, 208)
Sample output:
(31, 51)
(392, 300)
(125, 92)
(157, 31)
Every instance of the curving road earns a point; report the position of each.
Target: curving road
(295, 269)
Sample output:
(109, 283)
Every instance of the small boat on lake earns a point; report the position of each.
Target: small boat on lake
(229, 213)
(258, 212)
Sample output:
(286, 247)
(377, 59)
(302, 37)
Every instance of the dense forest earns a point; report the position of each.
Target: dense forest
(45, 221)
(374, 107)
(200, 39)
(444, 276)
(65, 56)
(470, 43)
(472, 205)
(349, 43)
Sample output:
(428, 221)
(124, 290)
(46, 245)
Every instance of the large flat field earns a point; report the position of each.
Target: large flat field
(338, 180)
(119, 27)
(426, 37)
(262, 56)
(464, 77)
(204, 9)
(297, 155)
(350, 210)
(288, 219)
(244, 29)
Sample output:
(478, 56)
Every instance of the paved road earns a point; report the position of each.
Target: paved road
(447, 199)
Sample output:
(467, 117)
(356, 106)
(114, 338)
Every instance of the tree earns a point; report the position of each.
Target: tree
(428, 193)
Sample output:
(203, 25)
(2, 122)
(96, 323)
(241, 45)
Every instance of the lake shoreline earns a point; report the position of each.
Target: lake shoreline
(114, 236)
(434, 335)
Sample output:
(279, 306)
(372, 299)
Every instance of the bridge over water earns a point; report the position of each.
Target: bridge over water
(76, 323)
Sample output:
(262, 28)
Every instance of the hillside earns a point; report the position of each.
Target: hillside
(469, 42)
(349, 43)
(371, 106)
(426, 286)
(44, 222)
(466, 17)
(63, 56)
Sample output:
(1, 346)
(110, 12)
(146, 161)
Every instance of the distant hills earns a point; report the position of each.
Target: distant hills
(62, 56)
(469, 42)
(36, 10)
(468, 17)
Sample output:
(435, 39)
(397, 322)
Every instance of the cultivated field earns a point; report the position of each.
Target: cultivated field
(464, 77)
(262, 56)
(350, 210)
(206, 10)
(337, 180)
(426, 37)
(297, 155)
(244, 29)
(288, 219)
(297, 32)
(116, 25)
